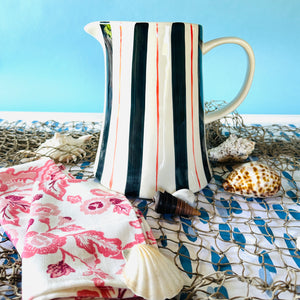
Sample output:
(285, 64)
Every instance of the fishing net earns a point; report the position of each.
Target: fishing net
(238, 248)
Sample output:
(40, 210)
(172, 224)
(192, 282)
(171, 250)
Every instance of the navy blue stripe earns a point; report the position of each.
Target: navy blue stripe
(201, 110)
(109, 75)
(137, 114)
(179, 104)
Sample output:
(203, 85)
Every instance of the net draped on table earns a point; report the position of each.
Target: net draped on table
(237, 248)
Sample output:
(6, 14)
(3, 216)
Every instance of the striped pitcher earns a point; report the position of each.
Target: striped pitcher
(153, 135)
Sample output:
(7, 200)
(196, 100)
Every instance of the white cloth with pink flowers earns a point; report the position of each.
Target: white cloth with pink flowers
(69, 233)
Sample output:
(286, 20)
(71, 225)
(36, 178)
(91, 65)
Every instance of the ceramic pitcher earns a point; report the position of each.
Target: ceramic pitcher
(153, 135)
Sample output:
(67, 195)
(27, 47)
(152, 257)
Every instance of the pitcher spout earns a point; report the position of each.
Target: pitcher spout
(94, 30)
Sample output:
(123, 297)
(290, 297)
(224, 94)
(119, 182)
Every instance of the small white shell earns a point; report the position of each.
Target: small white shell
(233, 149)
(253, 179)
(185, 195)
(298, 242)
(62, 148)
(150, 274)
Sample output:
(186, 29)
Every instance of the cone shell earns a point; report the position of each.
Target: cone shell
(166, 203)
(150, 274)
(253, 179)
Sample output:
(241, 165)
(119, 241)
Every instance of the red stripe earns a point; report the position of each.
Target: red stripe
(192, 103)
(118, 112)
(157, 107)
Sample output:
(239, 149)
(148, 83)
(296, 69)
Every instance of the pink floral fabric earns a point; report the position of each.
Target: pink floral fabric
(70, 233)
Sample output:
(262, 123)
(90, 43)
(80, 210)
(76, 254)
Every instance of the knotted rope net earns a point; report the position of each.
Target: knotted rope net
(238, 248)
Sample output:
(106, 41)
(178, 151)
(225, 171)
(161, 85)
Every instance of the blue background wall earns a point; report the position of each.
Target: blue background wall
(48, 62)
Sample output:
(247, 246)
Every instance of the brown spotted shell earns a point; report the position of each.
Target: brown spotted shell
(253, 179)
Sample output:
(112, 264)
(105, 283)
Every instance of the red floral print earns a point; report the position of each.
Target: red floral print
(94, 206)
(37, 197)
(150, 238)
(10, 208)
(74, 199)
(135, 224)
(101, 193)
(41, 243)
(64, 220)
(18, 179)
(44, 210)
(106, 291)
(30, 222)
(96, 272)
(120, 207)
(139, 239)
(53, 181)
(88, 294)
(59, 269)
(94, 241)
(3, 187)
(68, 226)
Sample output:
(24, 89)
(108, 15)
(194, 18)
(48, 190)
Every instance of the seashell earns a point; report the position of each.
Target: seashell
(150, 274)
(233, 149)
(166, 203)
(186, 195)
(61, 148)
(253, 179)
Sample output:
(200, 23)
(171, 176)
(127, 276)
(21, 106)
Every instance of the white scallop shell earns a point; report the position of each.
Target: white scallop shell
(253, 179)
(62, 148)
(150, 274)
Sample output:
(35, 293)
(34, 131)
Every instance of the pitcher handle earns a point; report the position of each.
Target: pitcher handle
(231, 106)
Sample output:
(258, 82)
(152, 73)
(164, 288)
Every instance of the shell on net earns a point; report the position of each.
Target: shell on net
(150, 274)
(253, 179)
(185, 195)
(233, 149)
(298, 242)
(61, 148)
(165, 203)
